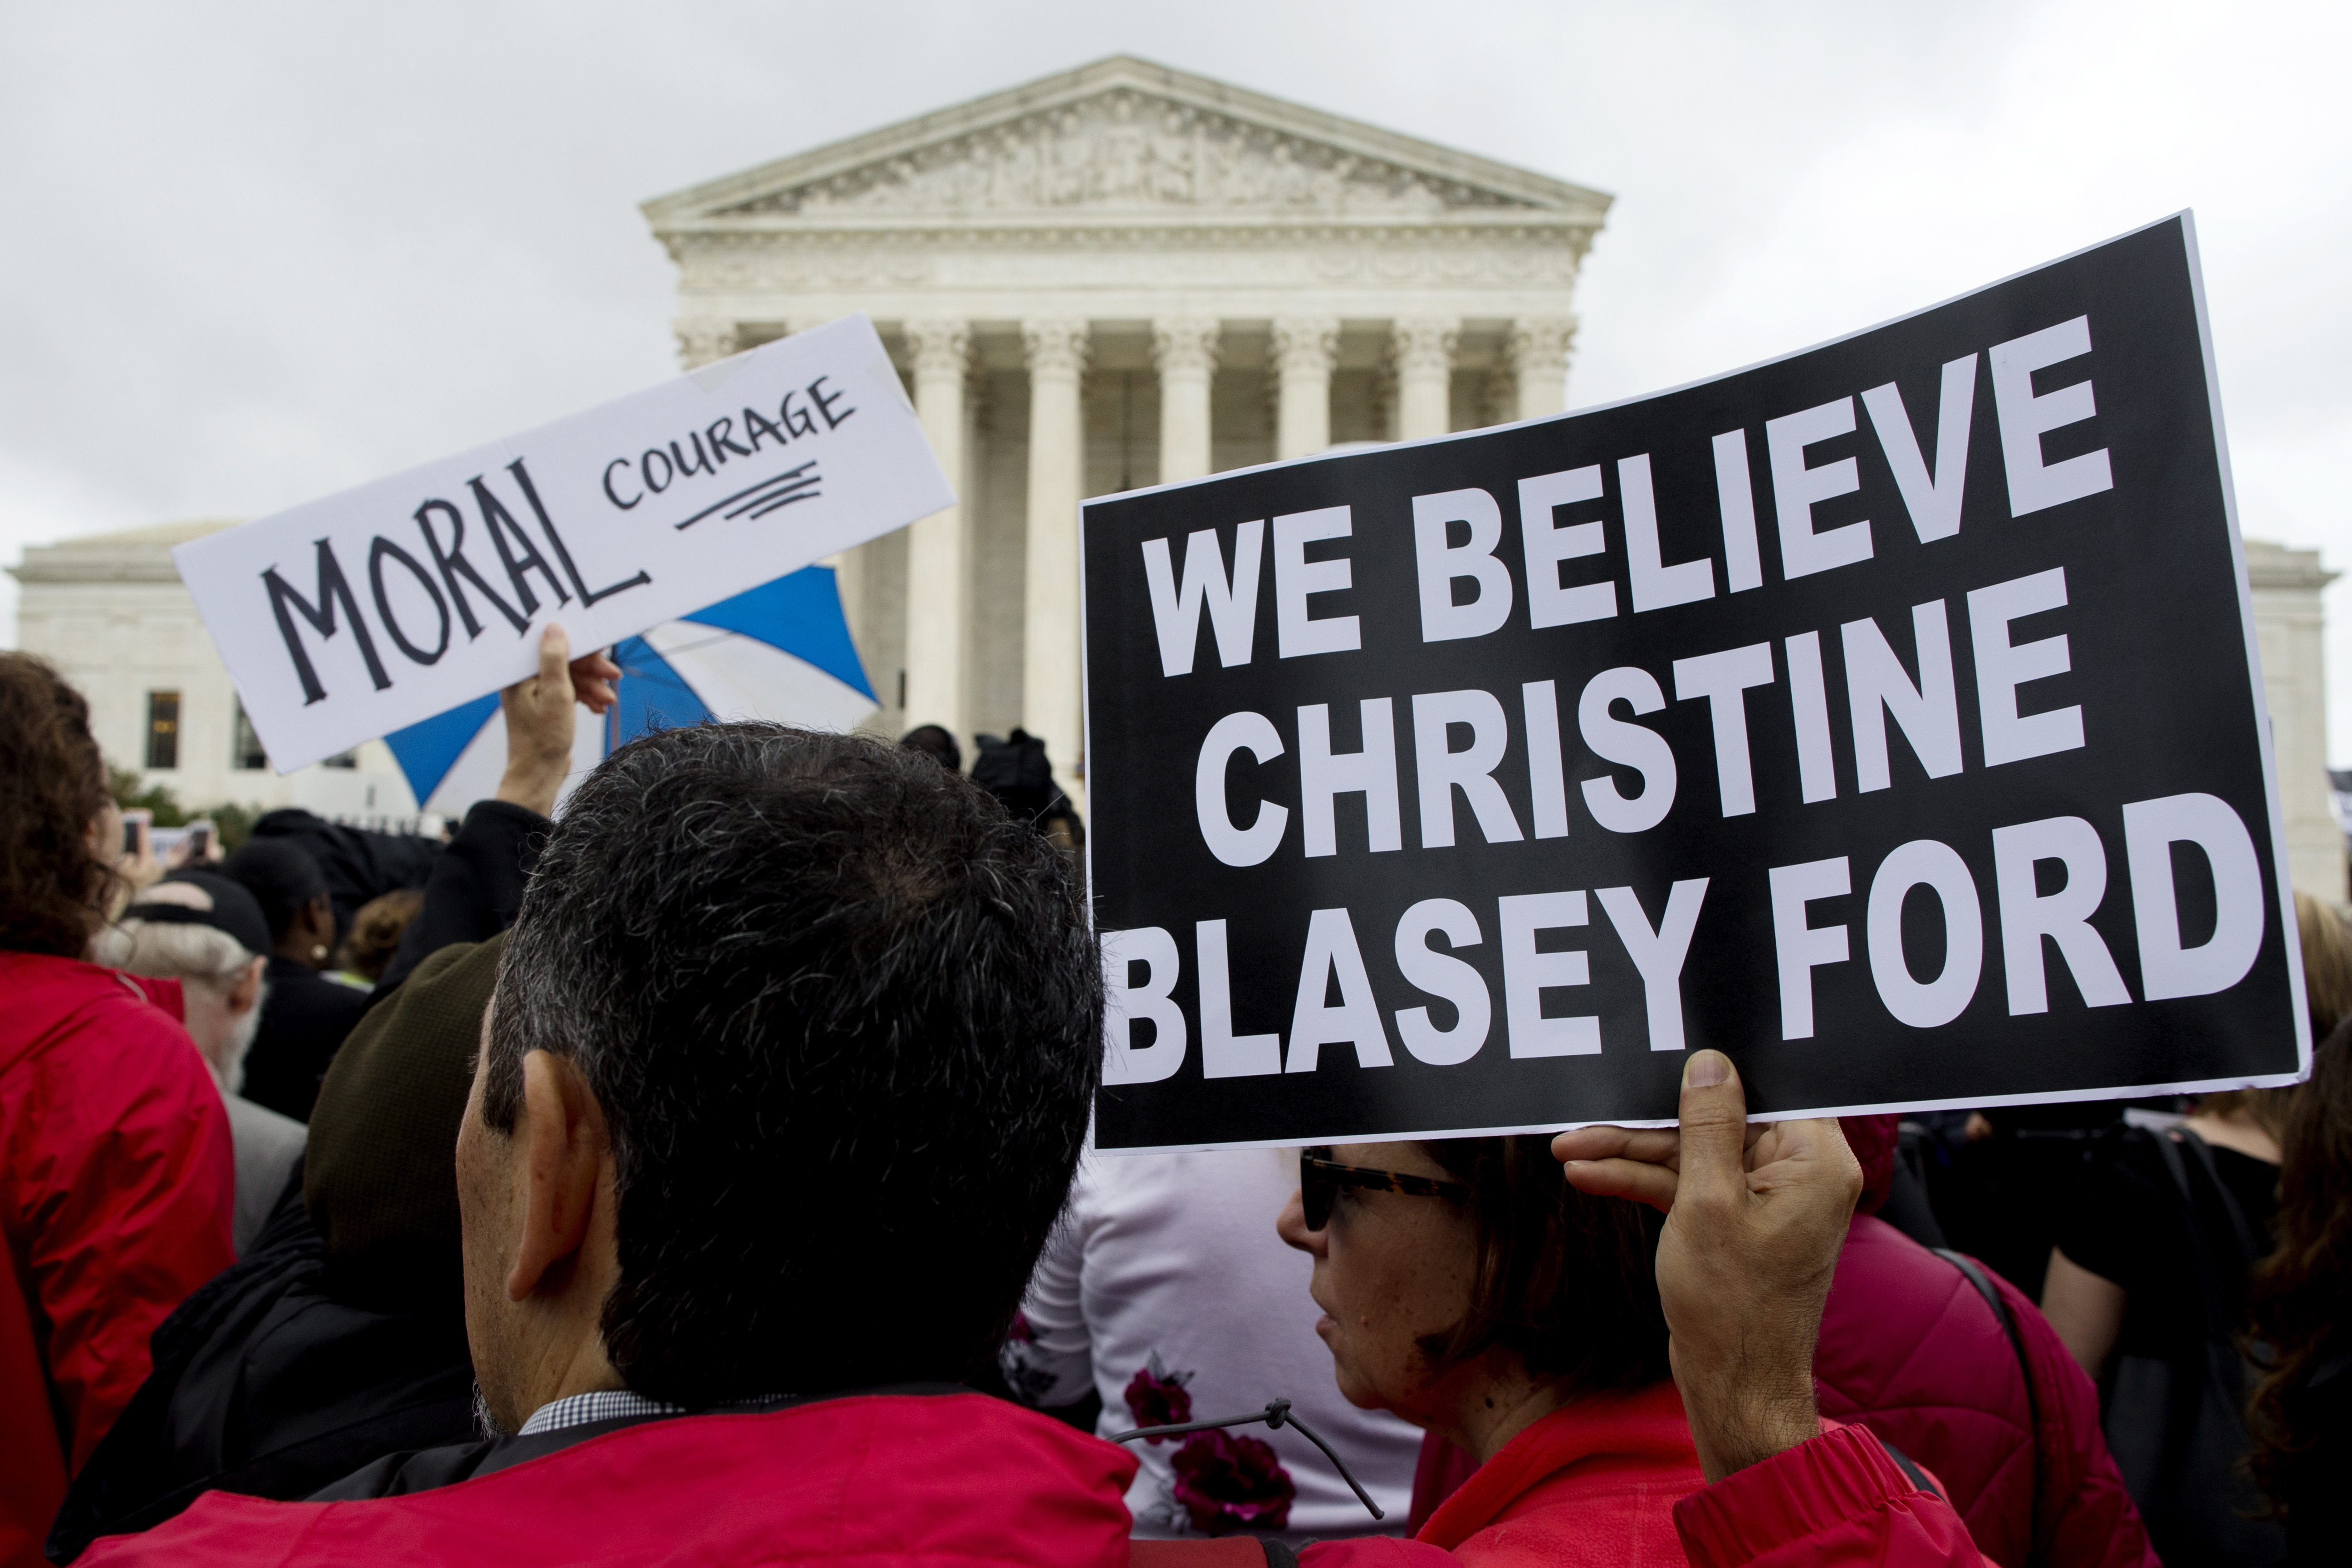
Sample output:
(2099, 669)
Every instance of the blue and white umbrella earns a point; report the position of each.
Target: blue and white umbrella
(780, 651)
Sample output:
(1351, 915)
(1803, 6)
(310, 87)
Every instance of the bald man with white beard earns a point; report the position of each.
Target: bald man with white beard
(207, 933)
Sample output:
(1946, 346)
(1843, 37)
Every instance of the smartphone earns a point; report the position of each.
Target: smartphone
(135, 824)
(199, 842)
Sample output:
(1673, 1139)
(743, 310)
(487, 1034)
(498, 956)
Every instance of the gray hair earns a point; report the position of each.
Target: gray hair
(204, 955)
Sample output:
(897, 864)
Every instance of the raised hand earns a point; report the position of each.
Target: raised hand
(540, 718)
(594, 678)
(1756, 1216)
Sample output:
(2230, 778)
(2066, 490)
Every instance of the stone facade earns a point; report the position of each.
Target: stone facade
(2288, 624)
(1118, 277)
(109, 611)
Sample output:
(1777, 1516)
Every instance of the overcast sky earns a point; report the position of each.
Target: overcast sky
(251, 254)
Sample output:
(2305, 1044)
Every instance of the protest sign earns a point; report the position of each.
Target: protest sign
(356, 616)
(1885, 715)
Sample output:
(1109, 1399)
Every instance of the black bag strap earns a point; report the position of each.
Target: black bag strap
(2249, 1250)
(2169, 1145)
(2217, 1380)
(1910, 1469)
(1973, 1272)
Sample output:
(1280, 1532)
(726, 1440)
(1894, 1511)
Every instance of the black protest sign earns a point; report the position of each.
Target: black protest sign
(1885, 715)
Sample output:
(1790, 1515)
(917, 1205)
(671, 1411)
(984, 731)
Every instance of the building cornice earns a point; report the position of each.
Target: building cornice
(133, 555)
(60, 566)
(2279, 567)
(1241, 228)
(896, 149)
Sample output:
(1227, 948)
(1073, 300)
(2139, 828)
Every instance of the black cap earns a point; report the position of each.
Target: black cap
(281, 875)
(227, 908)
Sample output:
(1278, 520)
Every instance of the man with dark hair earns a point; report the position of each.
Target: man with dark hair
(785, 1076)
(784, 1081)
(742, 942)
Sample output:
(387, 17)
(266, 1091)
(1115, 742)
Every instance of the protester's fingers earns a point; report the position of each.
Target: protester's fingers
(1640, 1180)
(593, 678)
(554, 660)
(1809, 1154)
(1653, 1145)
(1715, 1132)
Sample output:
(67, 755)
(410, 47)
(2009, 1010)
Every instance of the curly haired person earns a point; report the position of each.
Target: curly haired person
(116, 1178)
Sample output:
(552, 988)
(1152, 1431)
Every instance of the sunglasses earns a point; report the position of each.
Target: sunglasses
(1320, 1178)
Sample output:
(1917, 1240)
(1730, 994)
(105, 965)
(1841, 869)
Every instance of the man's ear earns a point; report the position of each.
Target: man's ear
(564, 1140)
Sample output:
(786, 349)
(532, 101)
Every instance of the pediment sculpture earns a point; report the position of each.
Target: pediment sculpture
(1130, 149)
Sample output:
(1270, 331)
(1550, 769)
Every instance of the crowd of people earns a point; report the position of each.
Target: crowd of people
(701, 1172)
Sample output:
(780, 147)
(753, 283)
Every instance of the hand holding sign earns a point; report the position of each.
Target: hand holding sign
(1756, 1215)
(540, 718)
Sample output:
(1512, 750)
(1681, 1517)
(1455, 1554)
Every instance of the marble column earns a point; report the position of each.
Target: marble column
(938, 547)
(1049, 661)
(1305, 349)
(699, 342)
(2290, 627)
(1185, 350)
(1536, 353)
(852, 568)
(1424, 352)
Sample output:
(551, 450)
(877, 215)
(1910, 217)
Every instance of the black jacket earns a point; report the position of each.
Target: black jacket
(275, 1379)
(359, 865)
(303, 1022)
(476, 886)
(269, 1382)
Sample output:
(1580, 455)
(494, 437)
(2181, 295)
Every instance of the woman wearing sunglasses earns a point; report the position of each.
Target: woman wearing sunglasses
(1520, 1309)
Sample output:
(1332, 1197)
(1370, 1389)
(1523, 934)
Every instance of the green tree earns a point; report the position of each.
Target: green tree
(233, 822)
(124, 786)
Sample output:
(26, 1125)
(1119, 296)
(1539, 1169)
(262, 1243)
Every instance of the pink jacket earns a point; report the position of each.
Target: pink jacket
(1911, 1351)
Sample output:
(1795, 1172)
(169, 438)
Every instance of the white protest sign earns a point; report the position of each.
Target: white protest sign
(352, 616)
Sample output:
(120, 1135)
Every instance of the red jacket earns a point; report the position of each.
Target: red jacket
(1595, 1483)
(1909, 1349)
(1613, 1482)
(898, 1479)
(939, 1480)
(117, 1183)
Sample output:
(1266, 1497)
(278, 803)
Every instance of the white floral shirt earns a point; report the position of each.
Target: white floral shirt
(1168, 1291)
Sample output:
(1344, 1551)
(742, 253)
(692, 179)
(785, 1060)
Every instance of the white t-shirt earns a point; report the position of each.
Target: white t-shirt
(1167, 1287)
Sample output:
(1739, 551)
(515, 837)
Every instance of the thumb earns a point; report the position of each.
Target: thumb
(554, 660)
(1713, 1115)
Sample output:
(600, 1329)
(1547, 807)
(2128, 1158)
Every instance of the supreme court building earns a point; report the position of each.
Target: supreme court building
(1112, 278)
(1118, 277)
